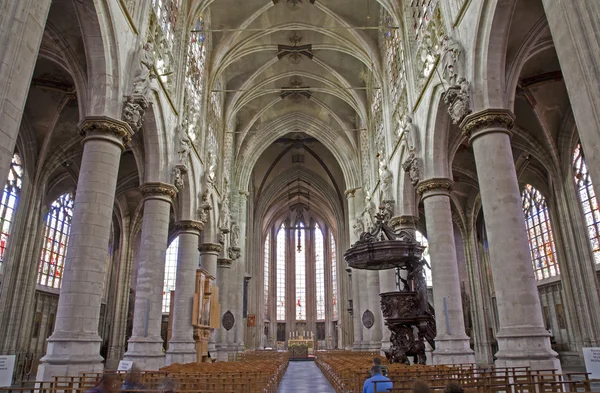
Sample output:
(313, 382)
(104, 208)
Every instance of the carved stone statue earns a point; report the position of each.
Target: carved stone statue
(212, 166)
(184, 150)
(451, 60)
(417, 276)
(408, 127)
(133, 113)
(369, 212)
(141, 82)
(225, 216)
(235, 235)
(458, 100)
(178, 179)
(411, 166)
(385, 182)
(358, 228)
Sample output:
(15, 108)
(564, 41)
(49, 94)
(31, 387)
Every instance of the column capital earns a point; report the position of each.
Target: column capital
(434, 186)
(103, 126)
(158, 190)
(487, 120)
(350, 192)
(224, 263)
(189, 226)
(401, 222)
(214, 248)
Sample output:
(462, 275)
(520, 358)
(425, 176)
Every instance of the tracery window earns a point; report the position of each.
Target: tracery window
(394, 56)
(423, 240)
(301, 274)
(170, 274)
(281, 273)
(427, 28)
(56, 237)
(320, 272)
(587, 197)
(539, 232)
(196, 64)
(266, 271)
(333, 275)
(10, 198)
(167, 12)
(215, 99)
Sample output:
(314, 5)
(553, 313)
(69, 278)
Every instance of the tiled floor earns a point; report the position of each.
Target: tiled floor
(304, 377)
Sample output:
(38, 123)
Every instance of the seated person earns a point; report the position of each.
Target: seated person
(383, 383)
(106, 384)
(384, 369)
(453, 387)
(420, 386)
(133, 380)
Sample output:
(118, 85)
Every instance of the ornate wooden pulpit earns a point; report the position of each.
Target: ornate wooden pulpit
(205, 313)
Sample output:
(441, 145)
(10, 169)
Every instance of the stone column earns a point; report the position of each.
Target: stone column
(145, 347)
(241, 271)
(522, 338)
(374, 334)
(209, 252)
(452, 344)
(21, 29)
(224, 273)
(75, 344)
(357, 326)
(182, 347)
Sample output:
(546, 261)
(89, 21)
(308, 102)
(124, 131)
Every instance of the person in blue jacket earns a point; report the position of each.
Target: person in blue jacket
(383, 383)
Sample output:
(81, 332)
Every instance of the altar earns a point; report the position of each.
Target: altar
(301, 345)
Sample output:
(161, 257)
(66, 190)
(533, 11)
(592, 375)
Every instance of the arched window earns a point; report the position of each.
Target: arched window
(588, 200)
(301, 274)
(320, 272)
(170, 274)
(423, 240)
(56, 237)
(333, 275)
(281, 273)
(10, 198)
(266, 276)
(539, 232)
(196, 64)
(394, 58)
(167, 13)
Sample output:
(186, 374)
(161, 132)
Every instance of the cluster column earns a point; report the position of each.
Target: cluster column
(182, 347)
(354, 275)
(452, 343)
(522, 338)
(209, 252)
(75, 344)
(145, 347)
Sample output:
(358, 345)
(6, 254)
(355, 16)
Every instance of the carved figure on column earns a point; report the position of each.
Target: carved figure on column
(369, 211)
(145, 73)
(133, 113)
(184, 149)
(408, 128)
(452, 60)
(385, 181)
(412, 167)
(235, 235)
(225, 216)
(458, 100)
(178, 181)
(358, 228)
(205, 204)
(417, 276)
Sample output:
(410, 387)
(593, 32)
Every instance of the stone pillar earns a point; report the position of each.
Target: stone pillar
(357, 326)
(75, 344)
(241, 272)
(182, 347)
(522, 338)
(21, 29)
(452, 344)
(223, 277)
(374, 333)
(209, 252)
(145, 347)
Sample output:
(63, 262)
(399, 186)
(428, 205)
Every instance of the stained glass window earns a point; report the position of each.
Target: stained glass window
(395, 64)
(334, 276)
(10, 198)
(539, 232)
(426, 41)
(320, 272)
(301, 274)
(281, 273)
(266, 270)
(588, 200)
(423, 240)
(196, 64)
(170, 274)
(215, 99)
(56, 237)
(167, 12)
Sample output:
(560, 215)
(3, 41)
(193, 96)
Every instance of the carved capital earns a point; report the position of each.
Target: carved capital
(98, 126)
(158, 190)
(488, 120)
(210, 247)
(435, 185)
(402, 222)
(189, 226)
(224, 263)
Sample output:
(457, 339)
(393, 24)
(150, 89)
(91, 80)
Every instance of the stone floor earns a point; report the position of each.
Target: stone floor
(304, 377)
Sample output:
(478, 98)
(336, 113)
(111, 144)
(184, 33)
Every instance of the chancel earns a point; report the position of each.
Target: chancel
(272, 193)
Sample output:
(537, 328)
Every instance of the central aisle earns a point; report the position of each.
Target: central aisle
(304, 377)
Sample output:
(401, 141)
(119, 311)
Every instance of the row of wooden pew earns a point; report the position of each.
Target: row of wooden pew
(347, 371)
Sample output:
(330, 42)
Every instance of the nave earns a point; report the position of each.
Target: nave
(304, 377)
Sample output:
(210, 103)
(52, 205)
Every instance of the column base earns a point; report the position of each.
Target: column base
(453, 350)
(181, 352)
(70, 355)
(146, 353)
(526, 347)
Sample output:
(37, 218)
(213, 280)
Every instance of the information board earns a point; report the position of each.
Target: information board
(592, 361)
(7, 367)
(125, 365)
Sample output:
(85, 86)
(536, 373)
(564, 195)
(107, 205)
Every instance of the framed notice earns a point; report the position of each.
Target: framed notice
(125, 365)
(591, 357)
(7, 367)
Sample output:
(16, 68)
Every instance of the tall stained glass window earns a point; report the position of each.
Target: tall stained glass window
(320, 272)
(394, 58)
(167, 12)
(539, 232)
(56, 237)
(10, 198)
(281, 273)
(301, 274)
(423, 240)
(170, 274)
(196, 64)
(266, 271)
(588, 200)
(334, 276)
